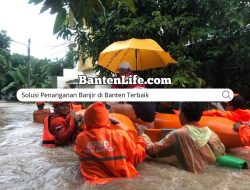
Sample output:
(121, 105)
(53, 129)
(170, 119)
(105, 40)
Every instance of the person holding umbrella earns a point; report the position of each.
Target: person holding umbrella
(138, 112)
(124, 70)
(134, 55)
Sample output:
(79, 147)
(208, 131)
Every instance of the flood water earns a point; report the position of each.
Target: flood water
(24, 164)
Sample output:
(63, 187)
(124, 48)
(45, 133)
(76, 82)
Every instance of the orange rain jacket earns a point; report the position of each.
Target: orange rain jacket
(61, 127)
(39, 115)
(75, 107)
(244, 133)
(106, 154)
(237, 115)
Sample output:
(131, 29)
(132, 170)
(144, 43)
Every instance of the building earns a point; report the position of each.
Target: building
(70, 76)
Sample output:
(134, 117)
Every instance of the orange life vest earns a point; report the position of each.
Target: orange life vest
(39, 115)
(49, 139)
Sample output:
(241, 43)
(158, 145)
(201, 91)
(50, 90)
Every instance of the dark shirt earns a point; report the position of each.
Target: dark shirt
(144, 110)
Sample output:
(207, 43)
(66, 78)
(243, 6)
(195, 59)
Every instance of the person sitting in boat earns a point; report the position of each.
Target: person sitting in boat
(167, 107)
(242, 118)
(139, 112)
(124, 70)
(195, 147)
(243, 128)
(40, 113)
(235, 110)
(106, 154)
(75, 106)
(61, 127)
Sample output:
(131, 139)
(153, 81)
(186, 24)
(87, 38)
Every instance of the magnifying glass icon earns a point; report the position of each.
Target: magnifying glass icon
(226, 94)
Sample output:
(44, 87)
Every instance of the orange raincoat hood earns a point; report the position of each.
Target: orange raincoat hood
(96, 116)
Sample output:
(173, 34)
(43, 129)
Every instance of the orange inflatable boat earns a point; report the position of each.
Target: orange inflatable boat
(164, 123)
(223, 127)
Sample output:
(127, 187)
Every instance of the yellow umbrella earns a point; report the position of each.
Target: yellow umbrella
(142, 54)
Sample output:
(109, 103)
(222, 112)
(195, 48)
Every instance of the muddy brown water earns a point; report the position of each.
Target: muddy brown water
(24, 164)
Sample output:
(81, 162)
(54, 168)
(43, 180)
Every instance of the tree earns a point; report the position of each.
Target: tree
(39, 77)
(201, 35)
(208, 38)
(80, 10)
(153, 19)
(13, 69)
(4, 56)
(18, 59)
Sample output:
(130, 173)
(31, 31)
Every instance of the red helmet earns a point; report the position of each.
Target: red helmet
(40, 103)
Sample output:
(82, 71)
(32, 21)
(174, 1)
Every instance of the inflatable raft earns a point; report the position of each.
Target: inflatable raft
(223, 127)
(165, 123)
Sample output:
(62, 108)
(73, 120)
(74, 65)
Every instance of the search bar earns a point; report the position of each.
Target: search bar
(127, 95)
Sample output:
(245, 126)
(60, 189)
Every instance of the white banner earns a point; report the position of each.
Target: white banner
(128, 95)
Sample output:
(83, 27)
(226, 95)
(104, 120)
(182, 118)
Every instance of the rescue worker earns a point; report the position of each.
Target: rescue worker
(61, 126)
(41, 113)
(106, 154)
(243, 128)
(195, 147)
(75, 106)
(236, 112)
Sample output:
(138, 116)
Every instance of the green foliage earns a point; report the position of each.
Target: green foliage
(205, 37)
(82, 11)
(17, 59)
(130, 4)
(4, 56)
(56, 68)
(39, 76)
(60, 18)
(4, 42)
(153, 19)
(208, 38)
(40, 73)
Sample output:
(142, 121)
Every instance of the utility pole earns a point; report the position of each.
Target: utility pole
(28, 81)
(29, 59)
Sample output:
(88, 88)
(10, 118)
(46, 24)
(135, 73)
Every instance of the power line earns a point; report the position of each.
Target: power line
(54, 49)
(58, 45)
(49, 46)
(19, 42)
(60, 50)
